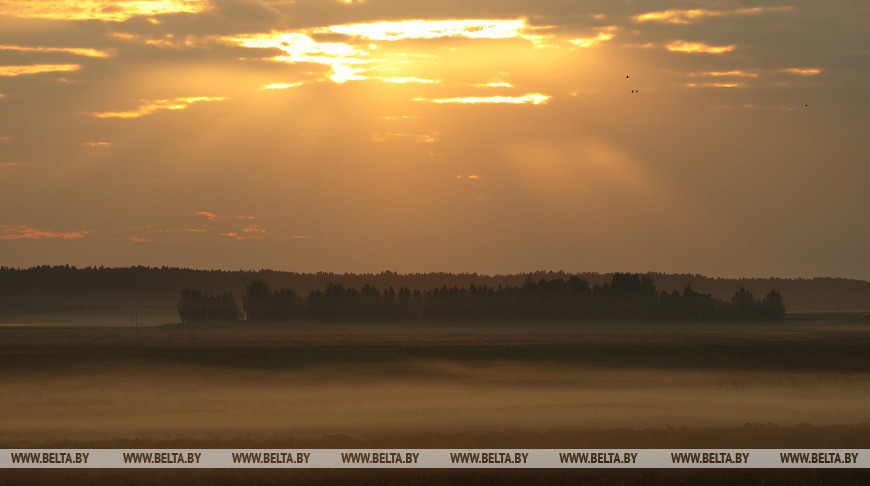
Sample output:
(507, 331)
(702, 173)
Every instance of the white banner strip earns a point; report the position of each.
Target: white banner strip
(435, 458)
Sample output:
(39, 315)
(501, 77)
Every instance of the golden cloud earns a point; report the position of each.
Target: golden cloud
(12, 71)
(215, 217)
(802, 72)
(604, 34)
(418, 138)
(409, 80)
(20, 232)
(281, 86)
(495, 83)
(692, 47)
(299, 47)
(350, 60)
(149, 107)
(733, 73)
(529, 99)
(107, 10)
(687, 16)
(713, 85)
(431, 29)
(76, 51)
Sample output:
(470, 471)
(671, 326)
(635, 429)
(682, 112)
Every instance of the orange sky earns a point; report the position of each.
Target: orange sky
(725, 138)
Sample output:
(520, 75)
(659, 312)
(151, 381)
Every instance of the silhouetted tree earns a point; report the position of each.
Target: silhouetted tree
(745, 305)
(772, 306)
(195, 306)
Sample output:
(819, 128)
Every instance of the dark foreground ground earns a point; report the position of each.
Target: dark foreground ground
(797, 384)
(439, 477)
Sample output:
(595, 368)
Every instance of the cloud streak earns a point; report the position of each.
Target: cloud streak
(76, 51)
(736, 73)
(802, 72)
(22, 232)
(529, 99)
(431, 29)
(106, 10)
(216, 217)
(683, 17)
(13, 71)
(604, 34)
(698, 47)
(152, 106)
(352, 57)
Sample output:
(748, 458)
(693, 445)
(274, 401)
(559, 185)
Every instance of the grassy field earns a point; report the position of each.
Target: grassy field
(797, 384)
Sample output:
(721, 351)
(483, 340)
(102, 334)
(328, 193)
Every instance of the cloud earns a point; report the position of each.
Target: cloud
(76, 51)
(214, 217)
(281, 86)
(802, 72)
(106, 10)
(299, 47)
(96, 144)
(418, 138)
(750, 106)
(713, 85)
(729, 74)
(167, 41)
(20, 232)
(182, 230)
(300, 237)
(431, 29)
(692, 47)
(151, 106)
(239, 236)
(350, 59)
(137, 239)
(409, 80)
(494, 83)
(529, 99)
(12, 71)
(687, 16)
(604, 34)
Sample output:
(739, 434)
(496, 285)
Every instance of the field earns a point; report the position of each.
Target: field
(802, 383)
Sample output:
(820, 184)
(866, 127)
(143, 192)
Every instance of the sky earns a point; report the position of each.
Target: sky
(723, 138)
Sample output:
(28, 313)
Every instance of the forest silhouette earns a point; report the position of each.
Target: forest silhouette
(64, 287)
(626, 296)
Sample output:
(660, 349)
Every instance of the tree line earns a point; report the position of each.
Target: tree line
(55, 288)
(626, 296)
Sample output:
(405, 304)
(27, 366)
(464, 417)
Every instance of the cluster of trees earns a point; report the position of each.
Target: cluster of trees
(53, 288)
(195, 306)
(625, 296)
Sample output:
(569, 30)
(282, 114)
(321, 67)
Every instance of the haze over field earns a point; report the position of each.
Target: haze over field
(727, 138)
(432, 385)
